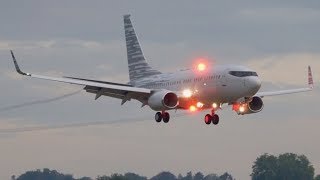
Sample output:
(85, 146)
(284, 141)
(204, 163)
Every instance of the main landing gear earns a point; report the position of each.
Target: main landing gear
(165, 116)
(208, 119)
(211, 118)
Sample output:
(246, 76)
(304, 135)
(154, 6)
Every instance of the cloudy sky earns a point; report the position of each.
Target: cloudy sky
(86, 39)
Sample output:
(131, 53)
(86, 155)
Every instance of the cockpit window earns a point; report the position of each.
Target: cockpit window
(243, 73)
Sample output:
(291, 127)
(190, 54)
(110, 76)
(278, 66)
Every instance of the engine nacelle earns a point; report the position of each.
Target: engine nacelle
(253, 106)
(163, 100)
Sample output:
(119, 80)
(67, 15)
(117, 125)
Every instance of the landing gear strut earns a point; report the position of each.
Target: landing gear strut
(165, 116)
(214, 118)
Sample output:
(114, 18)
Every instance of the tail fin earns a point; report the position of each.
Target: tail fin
(138, 66)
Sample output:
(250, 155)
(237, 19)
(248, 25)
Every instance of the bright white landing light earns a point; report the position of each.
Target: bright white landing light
(187, 93)
(241, 109)
(199, 105)
(214, 105)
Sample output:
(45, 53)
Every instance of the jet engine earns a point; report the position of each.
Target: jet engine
(163, 100)
(253, 106)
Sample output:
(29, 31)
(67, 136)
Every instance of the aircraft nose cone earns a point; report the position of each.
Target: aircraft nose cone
(254, 84)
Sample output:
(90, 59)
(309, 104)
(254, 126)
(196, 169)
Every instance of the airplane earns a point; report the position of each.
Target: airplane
(202, 88)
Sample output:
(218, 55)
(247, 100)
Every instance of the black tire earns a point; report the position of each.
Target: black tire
(208, 119)
(158, 117)
(215, 119)
(166, 117)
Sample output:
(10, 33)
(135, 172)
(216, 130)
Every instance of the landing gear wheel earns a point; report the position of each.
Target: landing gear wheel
(207, 119)
(165, 117)
(215, 119)
(158, 117)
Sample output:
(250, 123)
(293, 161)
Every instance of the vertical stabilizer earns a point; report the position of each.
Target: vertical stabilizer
(138, 66)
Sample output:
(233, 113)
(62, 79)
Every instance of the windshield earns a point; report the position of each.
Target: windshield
(243, 73)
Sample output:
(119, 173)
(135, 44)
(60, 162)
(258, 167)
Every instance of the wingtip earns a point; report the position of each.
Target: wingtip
(12, 55)
(16, 64)
(126, 16)
(310, 77)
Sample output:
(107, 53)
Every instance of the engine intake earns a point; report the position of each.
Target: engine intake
(253, 106)
(163, 100)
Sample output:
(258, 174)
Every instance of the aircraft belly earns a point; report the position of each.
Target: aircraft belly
(210, 95)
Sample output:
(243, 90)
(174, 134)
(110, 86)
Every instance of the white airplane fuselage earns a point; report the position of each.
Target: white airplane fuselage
(211, 85)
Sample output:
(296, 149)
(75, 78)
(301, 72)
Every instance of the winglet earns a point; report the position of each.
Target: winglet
(17, 66)
(310, 78)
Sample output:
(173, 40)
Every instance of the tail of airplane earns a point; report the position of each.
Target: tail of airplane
(137, 64)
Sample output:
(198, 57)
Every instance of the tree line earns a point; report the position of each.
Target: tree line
(266, 167)
(47, 174)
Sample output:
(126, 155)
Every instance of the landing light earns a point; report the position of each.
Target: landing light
(242, 109)
(187, 93)
(214, 105)
(192, 108)
(199, 104)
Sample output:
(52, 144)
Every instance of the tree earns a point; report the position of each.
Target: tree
(103, 178)
(117, 177)
(189, 176)
(198, 176)
(211, 177)
(317, 177)
(85, 178)
(47, 174)
(112, 177)
(265, 167)
(226, 176)
(285, 166)
(44, 174)
(164, 176)
(292, 166)
(133, 176)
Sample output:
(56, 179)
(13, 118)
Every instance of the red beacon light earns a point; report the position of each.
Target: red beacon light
(200, 65)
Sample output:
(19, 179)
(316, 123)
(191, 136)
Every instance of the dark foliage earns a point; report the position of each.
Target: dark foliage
(164, 175)
(285, 166)
(44, 174)
(47, 174)
(127, 176)
(317, 177)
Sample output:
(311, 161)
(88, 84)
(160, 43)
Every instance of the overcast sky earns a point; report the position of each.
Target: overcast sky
(86, 39)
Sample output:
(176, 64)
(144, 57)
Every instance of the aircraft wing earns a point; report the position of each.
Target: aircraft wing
(290, 91)
(116, 90)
